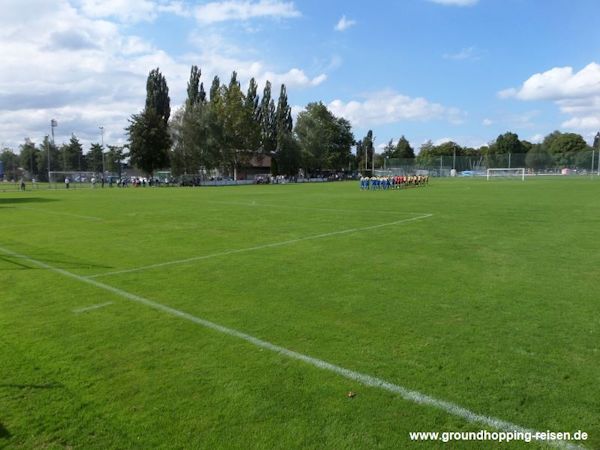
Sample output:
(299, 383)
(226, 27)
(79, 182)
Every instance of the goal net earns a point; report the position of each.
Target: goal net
(506, 173)
(76, 179)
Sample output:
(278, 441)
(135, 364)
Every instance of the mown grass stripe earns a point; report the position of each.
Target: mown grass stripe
(365, 379)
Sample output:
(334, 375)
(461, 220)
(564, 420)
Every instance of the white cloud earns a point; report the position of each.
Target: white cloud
(125, 10)
(390, 107)
(536, 138)
(455, 2)
(220, 57)
(244, 10)
(559, 83)
(344, 24)
(87, 71)
(469, 53)
(487, 122)
(443, 140)
(575, 93)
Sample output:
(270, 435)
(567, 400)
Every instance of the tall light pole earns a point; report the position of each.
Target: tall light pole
(102, 137)
(53, 125)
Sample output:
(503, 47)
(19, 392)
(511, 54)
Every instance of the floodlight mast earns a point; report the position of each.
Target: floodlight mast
(102, 138)
(53, 124)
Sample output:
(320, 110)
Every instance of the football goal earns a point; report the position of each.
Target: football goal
(504, 173)
(76, 179)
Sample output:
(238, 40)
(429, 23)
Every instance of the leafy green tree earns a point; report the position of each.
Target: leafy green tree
(326, 141)
(72, 155)
(10, 162)
(149, 138)
(388, 150)
(94, 158)
(157, 95)
(538, 158)
(508, 143)
(235, 127)
(368, 147)
(252, 119)
(29, 156)
(187, 129)
(114, 158)
(360, 156)
(149, 141)
(564, 147)
(596, 144)
(403, 149)
(46, 148)
(288, 154)
(268, 125)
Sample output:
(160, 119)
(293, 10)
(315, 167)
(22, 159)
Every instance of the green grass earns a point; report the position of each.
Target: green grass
(491, 303)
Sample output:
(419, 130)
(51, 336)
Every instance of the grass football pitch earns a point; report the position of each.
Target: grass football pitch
(241, 317)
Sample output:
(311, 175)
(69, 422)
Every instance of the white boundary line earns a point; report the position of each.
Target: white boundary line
(365, 379)
(258, 247)
(91, 308)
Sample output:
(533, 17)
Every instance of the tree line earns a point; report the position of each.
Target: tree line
(69, 156)
(226, 129)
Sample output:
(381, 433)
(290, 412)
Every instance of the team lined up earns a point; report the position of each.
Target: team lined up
(395, 182)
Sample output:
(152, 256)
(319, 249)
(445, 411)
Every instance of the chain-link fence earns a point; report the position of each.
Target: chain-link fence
(535, 162)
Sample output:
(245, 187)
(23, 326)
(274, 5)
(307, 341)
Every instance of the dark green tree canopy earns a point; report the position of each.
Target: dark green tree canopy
(149, 141)
(149, 136)
(94, 158)
(157, 95)
(29, 155)
(325, 140)
(508, 143)
(268, 125)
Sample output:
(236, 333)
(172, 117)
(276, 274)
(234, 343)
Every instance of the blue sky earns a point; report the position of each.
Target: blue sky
(465, 70)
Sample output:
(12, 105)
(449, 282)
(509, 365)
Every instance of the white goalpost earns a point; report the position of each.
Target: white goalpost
(76, 179)
(503, 172)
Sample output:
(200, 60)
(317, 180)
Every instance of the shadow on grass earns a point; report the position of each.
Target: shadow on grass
(18, 263)
(4, 434)
(52, 385)
(13, 200)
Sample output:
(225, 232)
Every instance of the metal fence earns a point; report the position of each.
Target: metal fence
(537, 162)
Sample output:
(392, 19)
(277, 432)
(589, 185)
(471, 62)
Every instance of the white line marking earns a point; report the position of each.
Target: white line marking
(365, 379)
(258, 247)
(91, 308)
(56, 213)
(267, 205)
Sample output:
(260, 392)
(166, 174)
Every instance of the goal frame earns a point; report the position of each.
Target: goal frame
(506, 169)
(56, 177)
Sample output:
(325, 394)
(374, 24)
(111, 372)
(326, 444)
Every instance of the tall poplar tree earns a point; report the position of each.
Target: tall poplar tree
(268, 126)
(149, 138)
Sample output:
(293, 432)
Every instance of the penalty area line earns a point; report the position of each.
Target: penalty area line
(365, 379)
(258, 247)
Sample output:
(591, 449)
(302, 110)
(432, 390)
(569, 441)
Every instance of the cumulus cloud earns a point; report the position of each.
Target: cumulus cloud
(85, 68)
(390, 107)
(455, 2)
(244, 10)
(575, 93)
(343, 24)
